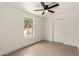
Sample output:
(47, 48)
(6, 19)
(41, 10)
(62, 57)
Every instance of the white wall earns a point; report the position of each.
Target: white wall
(12, 26)
(48, 29)
(66, 24)
(68, 29)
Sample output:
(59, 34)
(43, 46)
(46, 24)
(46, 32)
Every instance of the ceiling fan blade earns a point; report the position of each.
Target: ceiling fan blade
(43, 4)
(51, 11)
(43, 13)
(39, 10)
(53, 6)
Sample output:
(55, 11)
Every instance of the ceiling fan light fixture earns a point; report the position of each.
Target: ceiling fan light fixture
(46, 10)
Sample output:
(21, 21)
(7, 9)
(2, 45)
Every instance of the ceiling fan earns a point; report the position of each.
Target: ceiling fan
(47, 8)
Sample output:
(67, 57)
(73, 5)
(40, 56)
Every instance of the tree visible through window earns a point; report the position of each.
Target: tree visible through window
(28, 27)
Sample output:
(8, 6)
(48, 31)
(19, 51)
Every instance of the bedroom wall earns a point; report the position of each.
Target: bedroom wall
(65, 23)
(66, 30)
(11, 29)
(48, 28)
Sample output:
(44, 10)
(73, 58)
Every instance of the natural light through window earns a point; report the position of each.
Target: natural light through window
(28, 27)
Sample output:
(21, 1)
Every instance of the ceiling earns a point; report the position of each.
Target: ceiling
(31, 6)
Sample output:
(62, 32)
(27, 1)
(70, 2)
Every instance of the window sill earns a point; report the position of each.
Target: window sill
(28, 36)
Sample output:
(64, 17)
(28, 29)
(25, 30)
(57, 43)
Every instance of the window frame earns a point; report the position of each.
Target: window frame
(30, 36)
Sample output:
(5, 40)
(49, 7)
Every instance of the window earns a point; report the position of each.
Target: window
(28, 27)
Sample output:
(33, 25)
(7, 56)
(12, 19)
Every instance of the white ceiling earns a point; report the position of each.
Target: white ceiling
(31, 6)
